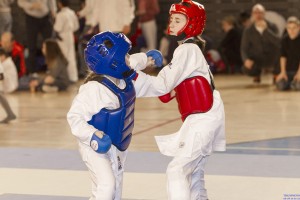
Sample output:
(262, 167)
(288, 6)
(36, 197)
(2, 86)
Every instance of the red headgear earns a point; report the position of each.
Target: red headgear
(195, 15)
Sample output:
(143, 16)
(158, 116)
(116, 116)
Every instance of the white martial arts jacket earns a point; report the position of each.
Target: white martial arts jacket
(10, 82)
(91, 98)
(66, 23)
(113, 15)
(200, 133)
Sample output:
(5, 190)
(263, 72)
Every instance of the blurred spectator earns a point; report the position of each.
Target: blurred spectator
(57, 78)
(113, 15)
(289, 76)
(260, 46)
(244, 20)
(230, 45)
(215, 62)
(10, 82)
(15, 50)
(5, 16)
(167, 47)
(276, 19)
(85, 13)
(146, 12)
(39, 15)
(3, 101)
(66, 23)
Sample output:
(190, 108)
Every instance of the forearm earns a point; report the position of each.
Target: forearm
(298, 71)
(150, 86)
(282, 64)
(244, 46)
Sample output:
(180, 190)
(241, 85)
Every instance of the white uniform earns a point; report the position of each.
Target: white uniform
(10, 82)
(66, 23)
(106, 170)
(87, 12)
(113, 15)
(200, 134)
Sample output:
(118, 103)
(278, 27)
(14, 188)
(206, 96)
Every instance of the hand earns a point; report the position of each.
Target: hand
(100, 134)
(156, 56)
(281, 76)
(167, 97)
(100, 142)
(150, 62)
(248, 63)
(49, 79)
(126, 29)
(33, 83)
(297, 76)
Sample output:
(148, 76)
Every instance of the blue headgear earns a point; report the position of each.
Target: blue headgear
(105, 54)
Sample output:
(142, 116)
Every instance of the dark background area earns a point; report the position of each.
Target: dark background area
(215, 10)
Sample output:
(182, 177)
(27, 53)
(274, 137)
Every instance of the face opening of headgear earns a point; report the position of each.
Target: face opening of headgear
(196, 18)
(105, 54)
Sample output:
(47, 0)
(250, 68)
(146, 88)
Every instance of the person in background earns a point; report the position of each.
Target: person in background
(10, 83)
(15, 50)
(3, 101)
(66, 23)
(113, 15)
(146, 12)
(5, 16)
(244, 20)
(39, 15)
(56, 78)
(260, 45)
(230, 45)
(289, 76)
(85, 13)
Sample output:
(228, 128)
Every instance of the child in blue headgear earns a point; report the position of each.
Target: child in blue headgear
(102, 114)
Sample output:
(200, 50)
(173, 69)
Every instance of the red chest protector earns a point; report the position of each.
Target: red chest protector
(194, 95)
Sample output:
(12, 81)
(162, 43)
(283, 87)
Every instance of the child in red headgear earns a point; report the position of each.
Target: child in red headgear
(199, 103)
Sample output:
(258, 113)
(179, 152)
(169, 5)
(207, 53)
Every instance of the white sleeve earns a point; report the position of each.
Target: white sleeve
(52, 7)
(75, 22)
(59, 22)
(97, 13)
(187, 59)
(127, 11)
(89, 101)
(88, 8)
(138, 61)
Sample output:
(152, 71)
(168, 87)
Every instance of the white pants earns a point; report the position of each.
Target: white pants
(106, 172)
(149, 30)
(67, 47)
(185, 178)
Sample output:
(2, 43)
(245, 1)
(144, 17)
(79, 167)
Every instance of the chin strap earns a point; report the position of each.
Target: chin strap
(177, 38)
(129, 75)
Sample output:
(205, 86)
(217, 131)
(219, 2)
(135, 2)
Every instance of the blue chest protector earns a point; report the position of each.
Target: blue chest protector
(118, 123)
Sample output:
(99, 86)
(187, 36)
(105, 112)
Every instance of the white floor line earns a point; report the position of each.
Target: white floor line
(143, 186)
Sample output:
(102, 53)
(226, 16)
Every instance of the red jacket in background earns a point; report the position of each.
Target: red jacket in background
(17, 55)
